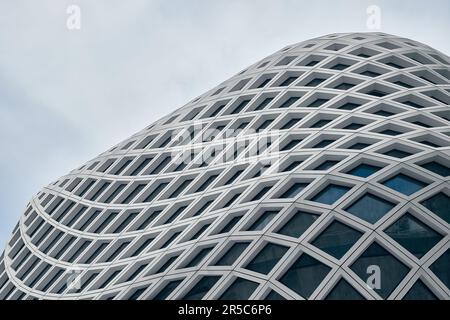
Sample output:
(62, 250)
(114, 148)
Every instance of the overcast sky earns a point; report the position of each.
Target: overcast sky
(68, 95)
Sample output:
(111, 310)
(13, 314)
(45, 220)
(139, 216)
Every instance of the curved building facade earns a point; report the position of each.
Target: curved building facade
(319, 172)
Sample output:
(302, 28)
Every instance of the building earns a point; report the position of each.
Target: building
(320, 172)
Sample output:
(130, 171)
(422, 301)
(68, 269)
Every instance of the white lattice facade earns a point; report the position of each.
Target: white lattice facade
(306, 176)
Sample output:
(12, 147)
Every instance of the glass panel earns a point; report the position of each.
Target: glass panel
(240, 289)
(441, 268)
(327, 165)
(294, 190)
(199, 257)
(413, 234)
(232, 254)
(167, 290)
(201, 288)
(419, 291)
(439, 204)
(330, 194)
(344, 291)
(392, 271)
(397, 154)
(370, 208)
(437, 168)
(364, 170)
(263, 221)
(273, 295)
(337, 239)
(298, 224)
(305, 275)
(404, 184)
(267, 258)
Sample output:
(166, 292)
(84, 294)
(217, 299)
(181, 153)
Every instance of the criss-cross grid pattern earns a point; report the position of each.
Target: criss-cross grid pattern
(352, 179)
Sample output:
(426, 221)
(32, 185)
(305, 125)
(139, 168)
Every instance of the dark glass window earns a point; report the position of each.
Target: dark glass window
(370, 208)
(261, 193)
(207, 183)
(232, 254)
(317, 103)
(437, 168)
(166, 264)
(199, 257)
(288, 81)
(414, 235)
(320, 123)
(201, 288)
(294, 190)
(364, 170)
(298, 224)
(240, 106)
(180, 188)
(439, 204)
(267, 258)
(289, 102)
(136, 273)
(292, 166)
(315, 82)
(305, 275)
(337, 239)
(137, 189)
(419, 291)
(344, 86)
(323, 143)
(392, 271)
(390, 132)
(404, 184)
(263, 220)
(327, 165)
(137, 293)
(354, 126)
(230, 225)
(291, 144)
(344, 291)
(339, 66)
(263, 104)
(441, 268)
(397, 154)
(240, 289)
(349, 106)
(331, 194)
(290, 123)
(359, 146)
(273, 295)
(264, 125)
(167, 290)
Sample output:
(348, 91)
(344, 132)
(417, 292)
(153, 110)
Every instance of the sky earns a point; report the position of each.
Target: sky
(66, 95)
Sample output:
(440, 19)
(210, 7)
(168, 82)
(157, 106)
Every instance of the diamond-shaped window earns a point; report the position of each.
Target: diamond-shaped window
(414, 235)
(331, 194)
(201, 288)
(441, 268)
(404, 184)
(267, 258)
(298, 224)
(344, 291)
(391, 270)
(419, 291)
(439, 204)
(364, 170)
(370, 208)
(305, 275)
(437, 168)
(337, 239)
(240, 289)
